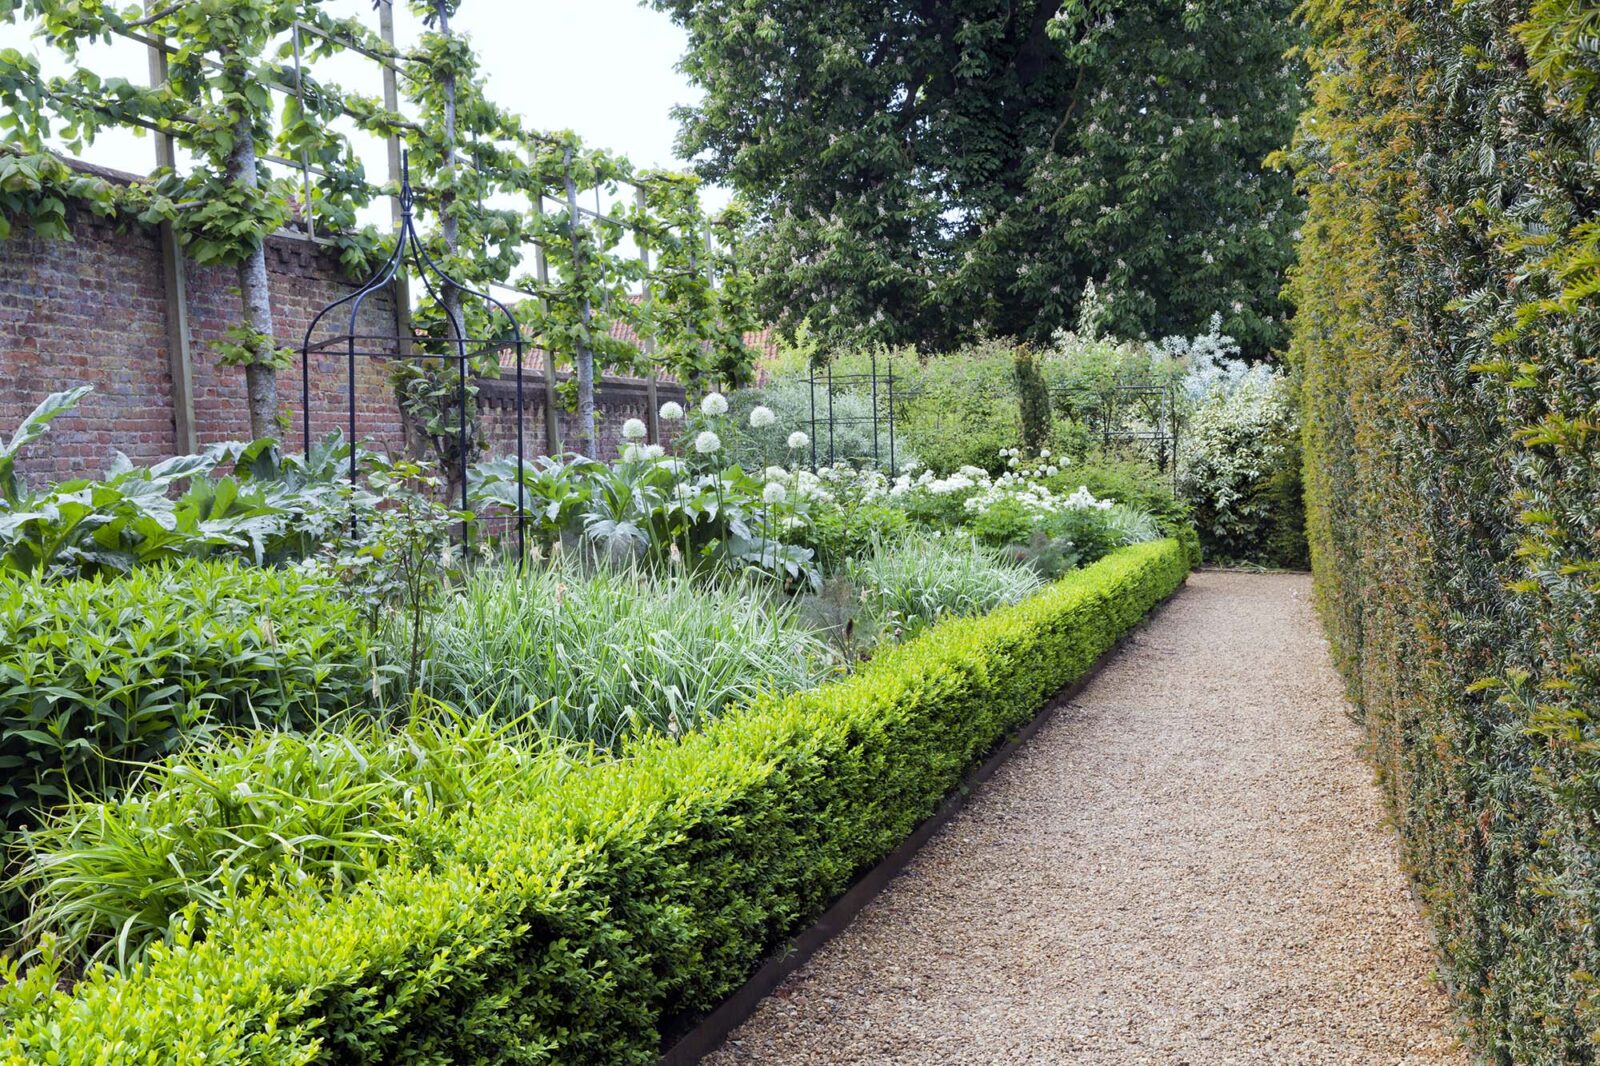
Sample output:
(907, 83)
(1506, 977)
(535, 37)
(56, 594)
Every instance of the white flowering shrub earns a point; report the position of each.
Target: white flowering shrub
(1239, 444)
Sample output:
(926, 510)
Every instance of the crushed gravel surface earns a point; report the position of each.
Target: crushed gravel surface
(1189, 864)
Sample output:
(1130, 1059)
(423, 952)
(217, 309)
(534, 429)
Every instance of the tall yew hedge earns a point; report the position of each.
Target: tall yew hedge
(1449, 338)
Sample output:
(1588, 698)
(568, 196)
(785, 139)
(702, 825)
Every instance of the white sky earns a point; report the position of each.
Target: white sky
(602, 68)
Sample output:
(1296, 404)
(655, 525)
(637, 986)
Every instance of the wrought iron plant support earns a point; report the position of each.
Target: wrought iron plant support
(408, 246)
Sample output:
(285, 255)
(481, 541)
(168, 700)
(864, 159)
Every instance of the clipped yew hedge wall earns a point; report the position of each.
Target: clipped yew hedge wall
(1448, 336)
(574, 923)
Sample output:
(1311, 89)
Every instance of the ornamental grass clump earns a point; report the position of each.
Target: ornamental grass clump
(255, 812)
(604, 656)
(914, 583)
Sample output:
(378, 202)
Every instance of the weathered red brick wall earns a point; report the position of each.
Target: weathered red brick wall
(616, 401)
(91, 311)
(87, 311)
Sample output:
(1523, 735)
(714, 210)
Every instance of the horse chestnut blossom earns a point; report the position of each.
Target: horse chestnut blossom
(671, 412)
(633, 429)
(774, 493)
(714, 404)
(762, 417)
(707, 442)
(798, 440)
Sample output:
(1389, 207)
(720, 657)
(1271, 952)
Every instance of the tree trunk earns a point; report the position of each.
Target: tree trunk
(260, 377)
(582, 356)
(450, 296)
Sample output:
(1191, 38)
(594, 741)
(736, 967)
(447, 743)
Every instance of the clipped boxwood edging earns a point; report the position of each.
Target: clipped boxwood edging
(579, 921)
(712, 1031)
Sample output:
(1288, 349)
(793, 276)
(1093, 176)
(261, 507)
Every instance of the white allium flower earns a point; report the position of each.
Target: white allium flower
(671, 412)
(1012, 461)
(632, 453)
(761, 417)
(633, 429)
(798, 440)
(774, 493)
(714, 404)
(708, 442)
(1044, 453)
(1050, 471)
(654, 451)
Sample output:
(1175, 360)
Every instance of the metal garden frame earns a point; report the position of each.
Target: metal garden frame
(868, 380)
(408, 245)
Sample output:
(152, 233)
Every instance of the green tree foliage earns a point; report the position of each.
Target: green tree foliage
(923, 172)
(1447, 332)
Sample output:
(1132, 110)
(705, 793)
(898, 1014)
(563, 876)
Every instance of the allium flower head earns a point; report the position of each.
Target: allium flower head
(798, 440)
(762, 417)
(671, 412)
(774, 493)
(714, 404)
(707, 443)
(654, 451)
(633, 429)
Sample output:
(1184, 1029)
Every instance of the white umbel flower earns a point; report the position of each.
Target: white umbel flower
(761, 417)
(774, 493)
(707, 443)
(671, 412)
(634, 429)
(798, 440)
(654, 451)
(714, 404)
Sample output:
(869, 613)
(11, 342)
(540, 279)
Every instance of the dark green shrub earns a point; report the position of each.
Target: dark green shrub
(1033, 402)
(575, 919)
(1446, 334)
(1087, 530)
(98, 674)
(1282, 495)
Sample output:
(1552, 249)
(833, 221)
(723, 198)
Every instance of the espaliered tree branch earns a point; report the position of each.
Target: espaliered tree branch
(468, 158)
(216, 103)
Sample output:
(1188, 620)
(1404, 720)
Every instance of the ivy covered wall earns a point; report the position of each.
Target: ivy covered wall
(1449, 339)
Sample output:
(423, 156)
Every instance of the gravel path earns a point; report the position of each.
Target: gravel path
(1188, 865)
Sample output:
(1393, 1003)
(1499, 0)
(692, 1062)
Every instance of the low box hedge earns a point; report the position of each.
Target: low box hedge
(577, 922)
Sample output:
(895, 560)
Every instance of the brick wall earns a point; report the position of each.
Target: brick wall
(91, 311)
(616, 400)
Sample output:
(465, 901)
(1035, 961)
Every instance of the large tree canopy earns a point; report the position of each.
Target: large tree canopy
(924, 170)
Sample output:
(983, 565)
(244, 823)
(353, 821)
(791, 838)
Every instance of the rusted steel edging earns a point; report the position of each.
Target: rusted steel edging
(710, 1033)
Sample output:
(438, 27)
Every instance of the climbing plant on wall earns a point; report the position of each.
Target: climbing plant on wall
(488, 190)
(217, 103)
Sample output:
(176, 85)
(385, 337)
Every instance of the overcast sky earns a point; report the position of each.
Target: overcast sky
(603, 68)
